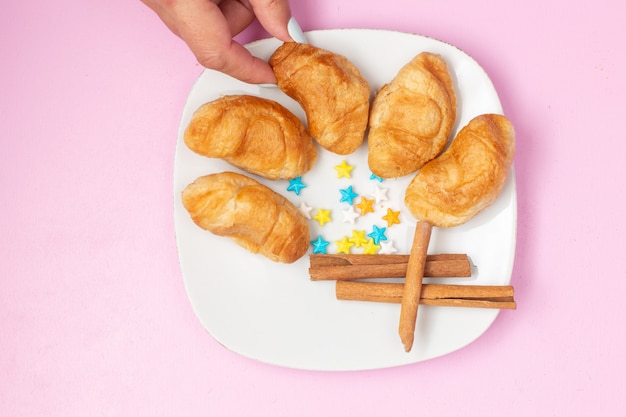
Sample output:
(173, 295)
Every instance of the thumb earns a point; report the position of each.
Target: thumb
(274, 16)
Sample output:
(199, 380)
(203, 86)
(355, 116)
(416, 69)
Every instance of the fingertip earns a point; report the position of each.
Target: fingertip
(258, 72)
(259, 75)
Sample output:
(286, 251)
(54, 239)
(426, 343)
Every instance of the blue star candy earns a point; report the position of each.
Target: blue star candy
(376, 177)
(319, 245)
(296, 185)
(378, 234)
(347, 195)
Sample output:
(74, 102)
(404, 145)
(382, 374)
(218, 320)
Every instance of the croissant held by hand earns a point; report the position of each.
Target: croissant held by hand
(255, 134)
(330, 89)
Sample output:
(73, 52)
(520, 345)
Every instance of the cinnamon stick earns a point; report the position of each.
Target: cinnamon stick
(481, 296)
(413, 284)
(342, 267)
(453, 302)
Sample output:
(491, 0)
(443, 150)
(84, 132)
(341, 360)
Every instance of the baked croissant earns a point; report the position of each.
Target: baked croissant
(411, 117)
(254, 216)
(255, 134)
(467, 177)
(330, 89)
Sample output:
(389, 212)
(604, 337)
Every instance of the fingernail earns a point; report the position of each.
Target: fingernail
(268, 85)
(295, 31)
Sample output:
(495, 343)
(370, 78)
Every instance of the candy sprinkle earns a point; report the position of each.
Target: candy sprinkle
(365, 206)
(343, 170)
(319, 245)
(322, 216)
(391, 217)
(370, 247)
(387, 248)
(296, 185)
(358, 238)
(378, 234)
(375, 177)
(344, 245)
(349, 215)
(305, 210)
(347, 195)
(380, 194)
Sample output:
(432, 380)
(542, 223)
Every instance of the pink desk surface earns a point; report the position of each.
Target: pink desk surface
(94, 318)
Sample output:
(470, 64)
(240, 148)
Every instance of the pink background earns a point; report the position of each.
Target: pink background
(94, 318)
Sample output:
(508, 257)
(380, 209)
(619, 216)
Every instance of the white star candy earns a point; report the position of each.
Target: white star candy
(349, 215)
(380, 194)
(386, 247)
(306, 210)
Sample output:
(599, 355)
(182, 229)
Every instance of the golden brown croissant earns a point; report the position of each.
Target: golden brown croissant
(255, 134)
(467, 177)
(411, 117)
(330, 89)
(253, 215)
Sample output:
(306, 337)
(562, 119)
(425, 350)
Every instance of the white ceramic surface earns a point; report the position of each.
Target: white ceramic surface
(272, 312)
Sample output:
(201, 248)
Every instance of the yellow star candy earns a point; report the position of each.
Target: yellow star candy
(322, 216)
(365, 206)
(343, 169)
(391, 217)
(358, 238)
(344, 245)
(370, 248)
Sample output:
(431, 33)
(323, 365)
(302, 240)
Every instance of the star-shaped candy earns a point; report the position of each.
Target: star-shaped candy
(319, 245)
(380, 194)
(305, 210)
(375, 177)
(378, 234)
(344, 245)
(391, 217)
(370, 247)
(296, 185)
(358, 238)
(365, 206)
(322, 216)
(343, 170)
(386, 248)
(349, 215)
(347, 195)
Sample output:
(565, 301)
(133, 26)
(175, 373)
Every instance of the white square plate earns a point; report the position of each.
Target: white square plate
(272, 312)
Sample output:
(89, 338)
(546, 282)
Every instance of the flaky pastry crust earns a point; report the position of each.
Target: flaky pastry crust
(255, 134)
(467, 177)
(254, 216)
(411, 117)
(330, 89)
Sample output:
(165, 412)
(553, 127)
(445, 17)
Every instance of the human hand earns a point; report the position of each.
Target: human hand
(208, 27)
